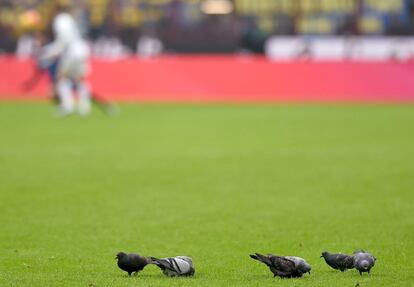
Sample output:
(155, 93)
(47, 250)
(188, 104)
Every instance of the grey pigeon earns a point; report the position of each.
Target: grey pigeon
(131, 262)
(338, 261)
(279, 265)
(300, 264)
(175, 266)
(363, 261)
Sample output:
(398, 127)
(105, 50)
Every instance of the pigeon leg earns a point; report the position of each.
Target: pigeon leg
(360, 273)
(283, 274)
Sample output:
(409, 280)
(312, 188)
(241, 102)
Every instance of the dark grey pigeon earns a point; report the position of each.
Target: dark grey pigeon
(363, 261)
(279, 265)
(131, 262)
(175, 266)
(338, 261)
(300, 264)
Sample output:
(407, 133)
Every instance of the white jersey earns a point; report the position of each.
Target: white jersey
(65, 29)
(68, 47)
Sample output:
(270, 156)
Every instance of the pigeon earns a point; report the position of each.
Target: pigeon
(300, 264)
(131, 262)
(363, 261)
(175, 266)
(338, 261)
(279, 265)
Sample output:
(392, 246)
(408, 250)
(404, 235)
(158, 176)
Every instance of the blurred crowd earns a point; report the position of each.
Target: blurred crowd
(150, 26)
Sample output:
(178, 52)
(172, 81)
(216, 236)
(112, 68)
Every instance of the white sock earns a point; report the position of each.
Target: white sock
(84, 103)
(64, 89)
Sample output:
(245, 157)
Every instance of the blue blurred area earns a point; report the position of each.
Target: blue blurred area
(200, 25)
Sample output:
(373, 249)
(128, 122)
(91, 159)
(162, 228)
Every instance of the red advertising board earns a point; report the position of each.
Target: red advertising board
(216, 78)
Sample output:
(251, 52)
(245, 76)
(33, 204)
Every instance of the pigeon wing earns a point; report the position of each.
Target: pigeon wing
(346, 261)
(137, 261)
(283, 265)
(335, 260)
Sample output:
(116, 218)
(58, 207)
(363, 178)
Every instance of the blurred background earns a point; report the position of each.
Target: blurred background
(224, 50)
(205, 26)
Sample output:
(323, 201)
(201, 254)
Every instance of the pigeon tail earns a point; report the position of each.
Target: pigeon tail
(153, 260)
(253, 256)
(162, 263)
(262, 258)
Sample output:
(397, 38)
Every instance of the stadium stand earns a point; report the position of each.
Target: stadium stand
(183, 27)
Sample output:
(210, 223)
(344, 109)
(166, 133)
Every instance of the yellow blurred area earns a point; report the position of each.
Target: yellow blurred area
(291, 7)
(370, 25)
(132, 13)
(30, 20)
(386, 5)
(315, 26)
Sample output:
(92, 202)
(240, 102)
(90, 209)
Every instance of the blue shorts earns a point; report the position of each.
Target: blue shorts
(52, 70)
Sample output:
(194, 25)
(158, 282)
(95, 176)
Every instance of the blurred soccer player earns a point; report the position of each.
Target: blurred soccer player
(66, 58)
(51, 68)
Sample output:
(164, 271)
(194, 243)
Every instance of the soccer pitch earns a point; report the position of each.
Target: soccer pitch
(214, 182)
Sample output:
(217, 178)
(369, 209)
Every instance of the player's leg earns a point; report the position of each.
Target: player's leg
(79, 54)
(65, 94)
(64, 86)
(84, 101)
(104, 104)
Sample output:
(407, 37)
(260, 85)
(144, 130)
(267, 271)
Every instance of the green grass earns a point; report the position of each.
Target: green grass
(213, 182)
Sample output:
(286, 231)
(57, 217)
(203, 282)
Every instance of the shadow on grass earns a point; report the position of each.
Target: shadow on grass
(257, 277)
(155, 276)
(355, 274)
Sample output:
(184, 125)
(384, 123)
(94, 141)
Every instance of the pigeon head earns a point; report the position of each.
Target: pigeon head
(363, 261)
(364, 264)
(120, 255)
(324, 254)
(305, 268)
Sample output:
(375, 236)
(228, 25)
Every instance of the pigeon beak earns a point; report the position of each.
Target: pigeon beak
(321, 256)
